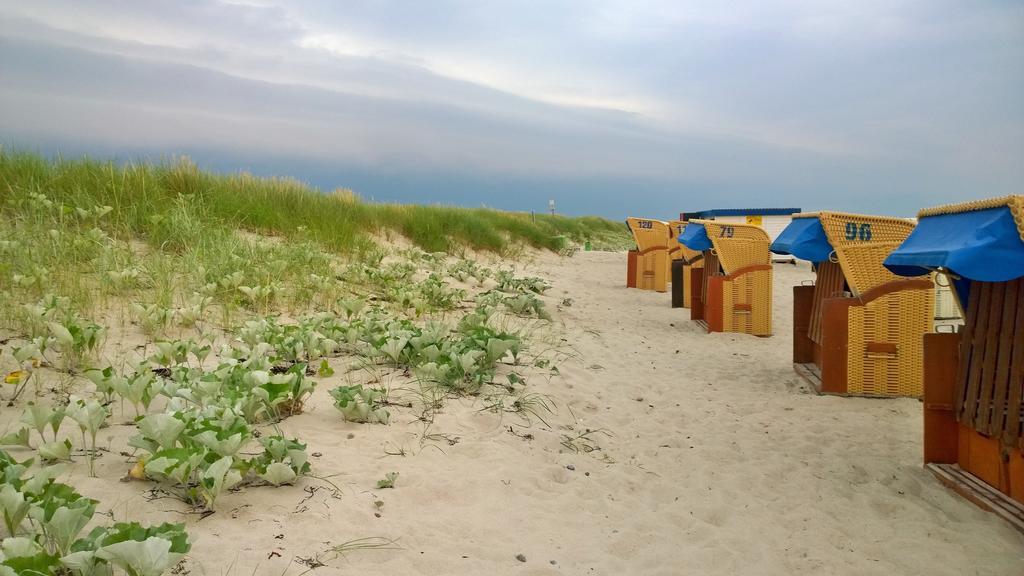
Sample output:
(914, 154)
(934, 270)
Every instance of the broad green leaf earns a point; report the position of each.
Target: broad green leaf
(150, 557)
(14, 507)
(38, 416)
(219, 477)
(19, 547)
(278, 473)
(54, 451)
(42, 564)
(89, 414)
(227, 447)
(496, 348)
(65, 524)
(86, 563)
(63, 336)
(19, 438)
(164, 429)
(125, 531)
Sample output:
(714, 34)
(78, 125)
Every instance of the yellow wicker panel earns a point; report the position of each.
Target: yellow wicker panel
(862, 243)
(648, 233)
(1014, 202)
(651, 236)
(738, 245)
(761, 303)
(651, 269)
(755, 290)
(899, 319)
(732, 293)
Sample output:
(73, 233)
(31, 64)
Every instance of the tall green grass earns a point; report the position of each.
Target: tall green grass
(147, 200)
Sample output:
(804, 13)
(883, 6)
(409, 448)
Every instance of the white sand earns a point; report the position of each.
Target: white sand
(717, 460)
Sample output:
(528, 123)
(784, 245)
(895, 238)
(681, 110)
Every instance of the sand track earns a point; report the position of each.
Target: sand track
(714, 459)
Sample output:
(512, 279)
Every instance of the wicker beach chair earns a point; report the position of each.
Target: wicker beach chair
(647, 267)
(974, 378)
(858, 330)
(733, 291)
(683, 259)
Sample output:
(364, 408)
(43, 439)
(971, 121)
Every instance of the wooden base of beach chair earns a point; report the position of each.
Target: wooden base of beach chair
(697, 295)
(984, 496)
(868, 347)
(810, 372)
(982, 468)
(678, 285)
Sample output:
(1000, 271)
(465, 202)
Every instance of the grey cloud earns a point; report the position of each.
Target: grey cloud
(871, 107)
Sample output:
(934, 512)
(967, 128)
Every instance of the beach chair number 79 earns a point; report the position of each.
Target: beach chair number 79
(855, 231)
(727, 232)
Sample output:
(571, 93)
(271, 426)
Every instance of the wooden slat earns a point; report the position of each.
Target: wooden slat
(1002, 379)
(811, 373)
(966, 341)
(711, 268)
(1012, 427)
(881, 347)
(829, 282)
(983, 495)
(983, 415)
(976, 354)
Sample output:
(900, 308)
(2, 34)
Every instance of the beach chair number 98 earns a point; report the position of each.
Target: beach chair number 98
(646, 224)
(856, 231)
(727, 232)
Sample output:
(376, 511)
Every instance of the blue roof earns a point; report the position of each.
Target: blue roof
(805, 239)
(695, 237)
(706, 214)
(982, 245)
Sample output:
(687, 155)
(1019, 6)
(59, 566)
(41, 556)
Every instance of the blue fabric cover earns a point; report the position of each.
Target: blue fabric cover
(983, 245)
(695, 237)
(805, 239)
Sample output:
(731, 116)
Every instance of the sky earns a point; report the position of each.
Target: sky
(612, 108)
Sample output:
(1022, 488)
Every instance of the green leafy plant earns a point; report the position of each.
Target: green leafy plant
(197, 453)
(43, 520)
(358, 404)
(388, 481)
(90, 416)
(283, 460)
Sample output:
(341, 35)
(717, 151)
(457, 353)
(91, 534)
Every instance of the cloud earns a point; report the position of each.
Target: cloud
(675, 103)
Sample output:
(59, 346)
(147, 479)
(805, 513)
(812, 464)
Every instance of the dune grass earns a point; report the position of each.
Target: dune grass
(147, 197)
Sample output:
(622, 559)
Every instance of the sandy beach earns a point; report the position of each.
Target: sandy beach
(669, 451)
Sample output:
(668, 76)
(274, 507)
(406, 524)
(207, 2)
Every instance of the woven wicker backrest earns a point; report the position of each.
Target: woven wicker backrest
(862, 243)
(649, 234)
(738, 245)
(676, 228)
